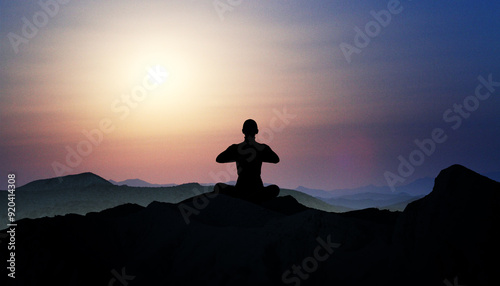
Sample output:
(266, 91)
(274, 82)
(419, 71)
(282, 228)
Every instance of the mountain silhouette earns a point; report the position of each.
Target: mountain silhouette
(87, 192)
(449, 235)
(139, 183)
(454, 230)
(367, 200)
(417, 188)
(370, 196)
(77, 181)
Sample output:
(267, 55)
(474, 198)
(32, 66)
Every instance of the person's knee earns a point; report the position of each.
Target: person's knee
(219, 188)
(274, 190)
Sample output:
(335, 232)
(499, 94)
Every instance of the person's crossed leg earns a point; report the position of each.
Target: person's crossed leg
(256, 195)
(249, 156)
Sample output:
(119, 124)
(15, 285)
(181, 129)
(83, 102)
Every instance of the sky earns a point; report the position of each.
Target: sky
(347, 93)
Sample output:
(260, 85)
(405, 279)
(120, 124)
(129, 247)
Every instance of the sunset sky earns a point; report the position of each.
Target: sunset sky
(340, 89)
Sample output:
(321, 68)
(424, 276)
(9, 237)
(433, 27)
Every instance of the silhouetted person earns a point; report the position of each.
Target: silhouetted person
(249, 156)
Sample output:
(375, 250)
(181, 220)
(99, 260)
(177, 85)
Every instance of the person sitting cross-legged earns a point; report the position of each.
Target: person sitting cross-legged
(249, 156)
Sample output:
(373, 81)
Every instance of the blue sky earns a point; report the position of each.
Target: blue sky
(353, 119)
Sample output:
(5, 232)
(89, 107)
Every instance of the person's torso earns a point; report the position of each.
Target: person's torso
(249, 163)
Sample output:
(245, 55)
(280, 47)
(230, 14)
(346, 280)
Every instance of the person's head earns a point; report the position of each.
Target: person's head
(250, 128)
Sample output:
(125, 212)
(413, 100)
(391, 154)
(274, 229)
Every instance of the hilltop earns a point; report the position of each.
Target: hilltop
(88, 192)
(449, 235)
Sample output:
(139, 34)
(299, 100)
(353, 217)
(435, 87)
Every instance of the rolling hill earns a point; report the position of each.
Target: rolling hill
(87, 192)
(450, 236)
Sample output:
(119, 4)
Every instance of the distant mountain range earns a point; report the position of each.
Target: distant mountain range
(448, 237)
(344, 199)
(381, 197)
(420, 187)
(88, 192)
(140, 183)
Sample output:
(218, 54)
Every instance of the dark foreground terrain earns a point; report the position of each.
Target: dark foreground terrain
(449, 237)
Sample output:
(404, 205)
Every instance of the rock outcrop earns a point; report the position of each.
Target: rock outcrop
(446, 237)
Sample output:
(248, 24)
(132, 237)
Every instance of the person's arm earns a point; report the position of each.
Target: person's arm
(269, 156)
(227, 156)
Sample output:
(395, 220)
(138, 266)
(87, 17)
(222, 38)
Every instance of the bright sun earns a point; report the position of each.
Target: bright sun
(158, 74)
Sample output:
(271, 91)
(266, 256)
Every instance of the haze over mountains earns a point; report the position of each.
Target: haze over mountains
(416, 188)
(449, 235)
(347, 199)
(87, 192)
(139, 183)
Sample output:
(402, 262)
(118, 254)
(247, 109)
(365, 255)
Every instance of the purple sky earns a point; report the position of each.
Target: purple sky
(341, 90)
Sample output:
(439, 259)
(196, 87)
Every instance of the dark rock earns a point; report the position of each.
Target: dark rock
(449, 234)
